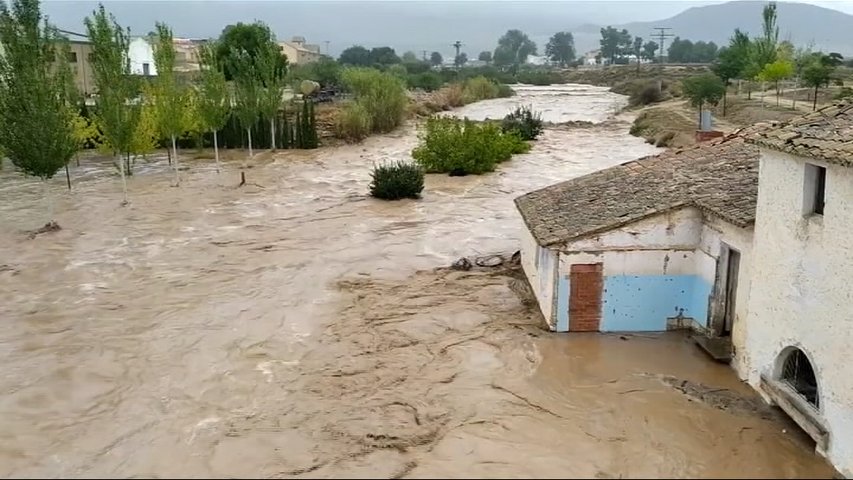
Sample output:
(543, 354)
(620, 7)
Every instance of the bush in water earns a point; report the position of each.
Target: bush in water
(479, 88)
(523, 122)
(461, 147)
(396, 181)
(381, 95)
(353, 123)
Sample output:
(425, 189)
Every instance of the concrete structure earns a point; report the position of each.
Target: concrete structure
(141, 55)
(299, 53)
(79, 58)
(643, 246)
(745, 239)
(186, 54)
(803, 278)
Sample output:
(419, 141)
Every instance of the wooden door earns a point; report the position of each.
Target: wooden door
(731, 291)
(586, 283)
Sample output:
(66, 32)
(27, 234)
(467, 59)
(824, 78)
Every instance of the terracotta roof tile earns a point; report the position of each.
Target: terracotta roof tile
(719, 177)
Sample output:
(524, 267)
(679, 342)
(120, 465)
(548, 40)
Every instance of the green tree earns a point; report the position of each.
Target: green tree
(383, 56)
(703, 89)
(409, 57)
(561, 48)
(733, 60)
(247, 91)
(776, 72)
(118, 110)
(271, 80)
(252, 38)
(638, 51)
(461, 59)
(817, 74)
(36, 115)
(435, 59)
(649, 50)
(214, 102)
(485, 56)
(513, 49)
(356, 56)
(765, 46)
(615, 43)
(170, 97)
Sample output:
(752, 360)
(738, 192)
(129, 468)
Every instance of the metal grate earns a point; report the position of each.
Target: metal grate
(799, 374)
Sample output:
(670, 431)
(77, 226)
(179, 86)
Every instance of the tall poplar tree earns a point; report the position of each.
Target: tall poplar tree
(214, 102)
(170, 97)
(35, 108)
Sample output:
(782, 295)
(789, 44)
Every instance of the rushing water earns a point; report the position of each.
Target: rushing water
(296, 327)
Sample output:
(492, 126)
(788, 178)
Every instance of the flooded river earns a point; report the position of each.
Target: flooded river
(296, 328)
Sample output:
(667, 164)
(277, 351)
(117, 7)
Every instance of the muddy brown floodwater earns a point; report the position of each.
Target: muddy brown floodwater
(298, 328)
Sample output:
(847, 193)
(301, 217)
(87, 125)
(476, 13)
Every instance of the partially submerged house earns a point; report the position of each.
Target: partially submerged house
(746, 240)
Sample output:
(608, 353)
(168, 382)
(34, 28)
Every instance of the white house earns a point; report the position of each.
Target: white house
(647, 245)
(746, 239)
(799, 328)
(141, 55)
(298, 52)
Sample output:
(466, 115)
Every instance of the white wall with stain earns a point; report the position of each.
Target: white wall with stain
(141, 55)
(540, 265)
(677, 229)
(802, 289)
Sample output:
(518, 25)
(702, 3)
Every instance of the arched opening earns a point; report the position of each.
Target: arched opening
(797, 372)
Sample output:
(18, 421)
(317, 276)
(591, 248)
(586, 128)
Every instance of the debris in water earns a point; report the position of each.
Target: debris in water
(462, 264)
(489, 261)
(50, 226)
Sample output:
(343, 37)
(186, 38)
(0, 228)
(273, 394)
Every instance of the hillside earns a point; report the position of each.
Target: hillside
(803, 24)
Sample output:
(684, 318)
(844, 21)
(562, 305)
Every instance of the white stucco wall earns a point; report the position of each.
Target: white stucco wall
(677, 229)
(802, 289)
(715, 233)
(540, 274)
(140, 53)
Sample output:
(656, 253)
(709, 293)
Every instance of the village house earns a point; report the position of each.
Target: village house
(745, 240)
(299, 53)
(141, 54)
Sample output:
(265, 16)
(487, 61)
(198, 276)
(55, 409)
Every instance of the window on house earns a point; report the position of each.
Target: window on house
(814, 190)
(72, 57)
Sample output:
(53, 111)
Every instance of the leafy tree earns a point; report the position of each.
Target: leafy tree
(148, 128)
(649, 49)
(513, 49)
(435, 59)
(733, 60)
(561, 48)
(170, 97)
(117, 112)
(461, 59)
(383, 56)
(214, 102)
(247, 91)
(409, 57)
(765, 46)
(485, 56)
(615, 43)
(271, 80)
(818, 73)
(775, 72)
(252, 38)
(638, 50)
(685, 51)
(85, 133)
(35, 112)
(702, 89)
(355, 55)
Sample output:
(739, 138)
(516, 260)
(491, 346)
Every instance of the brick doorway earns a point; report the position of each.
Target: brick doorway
(586, 283)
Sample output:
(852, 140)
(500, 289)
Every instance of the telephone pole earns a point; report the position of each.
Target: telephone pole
(424, 52)
(662, 34)
(457, 45)
(327, 47)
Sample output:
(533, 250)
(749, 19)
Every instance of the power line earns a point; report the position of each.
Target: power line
(662, 35)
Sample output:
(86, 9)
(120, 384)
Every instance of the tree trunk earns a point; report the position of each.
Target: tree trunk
(175, 154)
(78, 158)
(814, 104)
(49, 199)
(123, 179)
(272, 133)
(777, 93)
(249, 131)
(169, 156)
(700, 117)
(725, 95)
(68, 176)
(216, 150)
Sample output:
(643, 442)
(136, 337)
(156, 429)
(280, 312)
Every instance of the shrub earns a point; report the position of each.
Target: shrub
(645, 95)
(845, 92)
(453, 96)
(479, 88)
(353, 123)
(396, 181)
(461, 147)
(381, 95)
(523, 122)
(428, 81)
(505, 91)
(538, 77)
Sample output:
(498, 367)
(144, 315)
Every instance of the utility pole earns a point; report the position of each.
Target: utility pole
(327, 47)
(457, 45)
(662, 34)
(424, 52)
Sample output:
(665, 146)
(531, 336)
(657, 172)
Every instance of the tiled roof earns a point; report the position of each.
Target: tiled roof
(826, 134)
(719, 177)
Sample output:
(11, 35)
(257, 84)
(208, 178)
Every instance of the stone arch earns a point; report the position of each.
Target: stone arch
(794, 368)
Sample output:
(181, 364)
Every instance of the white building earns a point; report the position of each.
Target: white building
(298, 52)
(751, 247)
(799, 328)
(141, 55)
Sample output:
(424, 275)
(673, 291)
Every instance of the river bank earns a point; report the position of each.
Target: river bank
(298, 328)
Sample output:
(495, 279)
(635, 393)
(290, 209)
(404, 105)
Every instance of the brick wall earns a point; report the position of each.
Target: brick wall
(586, 283)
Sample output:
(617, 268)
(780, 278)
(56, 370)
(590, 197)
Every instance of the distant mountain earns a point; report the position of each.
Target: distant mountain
(803, 24)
